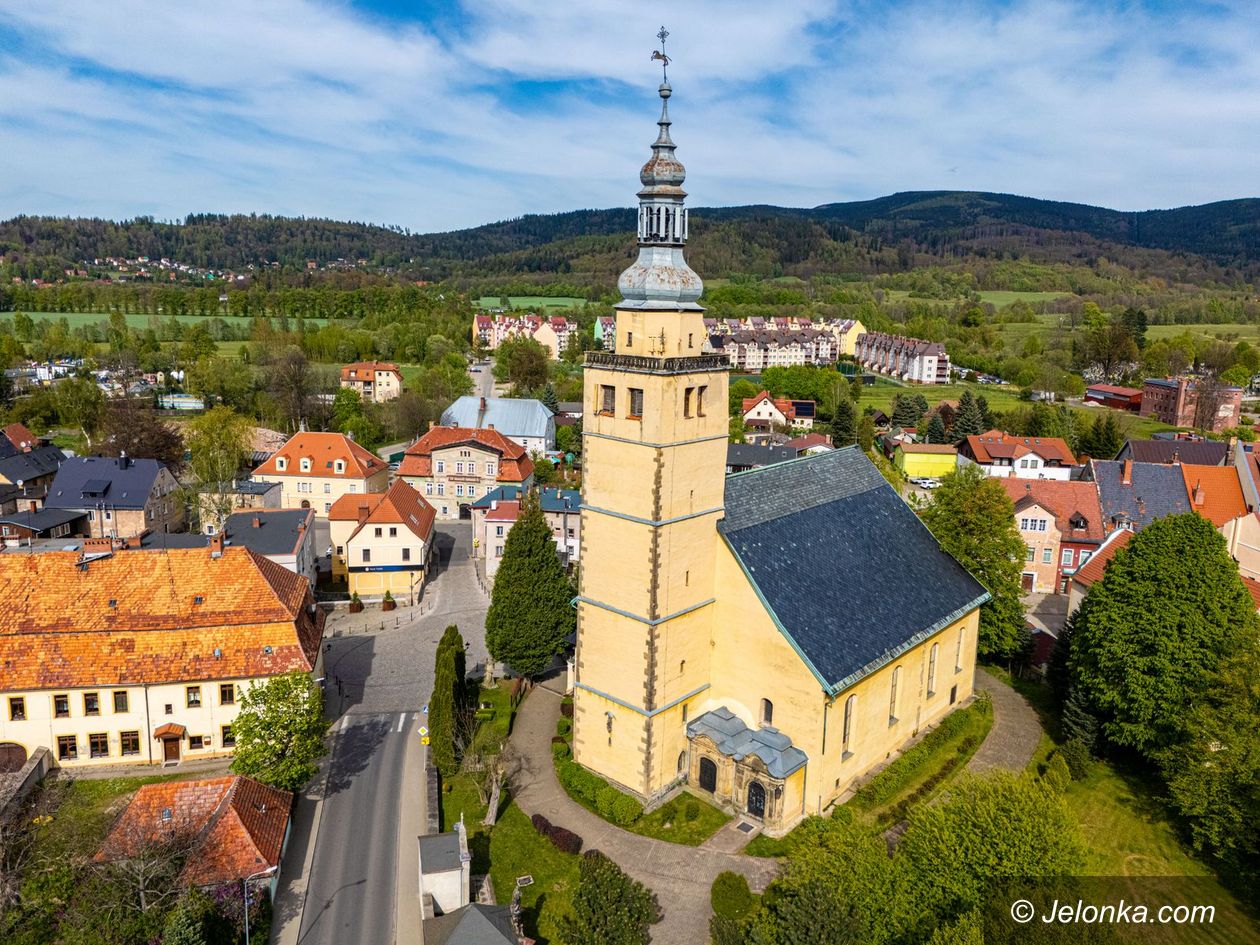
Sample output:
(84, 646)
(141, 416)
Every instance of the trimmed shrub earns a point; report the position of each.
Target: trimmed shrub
(579, 782)
(730, 896)
(605, 800)
(566, 841)
(560, 750)
(691, 810)
(564, 726)
(724, 931)
(1055, 773)
(1076, 755)
(566, 709)
(541, 824)
(626, 810)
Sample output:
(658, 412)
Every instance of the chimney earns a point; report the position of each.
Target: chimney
(489, 426)
(1176, 457)
(363, 513)
(1126, 477)
(1198, 494)
(481, 413)
(432, 424)
(256, 522)
(216, 545)
(1141, 506)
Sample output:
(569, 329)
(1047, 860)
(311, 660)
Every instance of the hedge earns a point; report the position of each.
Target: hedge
(566, 841)
(626, 810)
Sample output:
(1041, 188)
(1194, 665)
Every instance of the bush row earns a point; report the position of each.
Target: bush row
(608, 802)
(566, 841)
(897, 813)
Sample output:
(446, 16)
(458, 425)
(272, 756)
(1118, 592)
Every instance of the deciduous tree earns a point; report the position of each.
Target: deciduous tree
(279, 731)
(81, 403)
(218, 449)
(130, 426)
(530, 613)
(974, 520)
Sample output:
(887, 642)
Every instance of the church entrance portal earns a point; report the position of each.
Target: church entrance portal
(708, 775)
(756, 799)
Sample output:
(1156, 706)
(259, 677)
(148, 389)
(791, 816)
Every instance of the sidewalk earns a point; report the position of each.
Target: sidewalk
(1016, 730)
(680, 876)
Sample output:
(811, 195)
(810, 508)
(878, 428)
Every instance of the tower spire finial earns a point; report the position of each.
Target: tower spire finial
(659, 55)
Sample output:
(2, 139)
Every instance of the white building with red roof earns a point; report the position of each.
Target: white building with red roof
(316, 469)
(454, 466)
(1023, 457)
(383, 541)
(378, 381)
(550, 331)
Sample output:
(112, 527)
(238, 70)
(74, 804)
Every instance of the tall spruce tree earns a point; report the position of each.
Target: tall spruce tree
(530, 613)
(843, 424)
(549, 399)
(609, 908)
(935, 429)
(968, 419)
(1151, 634)
(906, 412)
(446, 702)
(973, 519)
(986, 415)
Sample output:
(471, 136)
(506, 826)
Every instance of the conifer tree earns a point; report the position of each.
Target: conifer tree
(866, 433)
(446, 701)
(530, 613)
(988, 422)
(906, 412)
(968, 419)
(935, 429)
(843, 424)
(549, 399)
(609, 908)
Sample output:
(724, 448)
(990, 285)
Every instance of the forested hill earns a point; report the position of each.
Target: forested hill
(950, 224)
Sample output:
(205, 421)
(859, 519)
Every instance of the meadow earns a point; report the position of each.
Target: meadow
(531, 302)
(141, 321)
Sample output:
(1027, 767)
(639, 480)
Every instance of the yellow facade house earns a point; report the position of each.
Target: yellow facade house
(382, 542)
(925, 460)
(316, 469)
(767, 638)
(142, 657)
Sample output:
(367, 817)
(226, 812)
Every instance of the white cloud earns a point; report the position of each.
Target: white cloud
(301, 106)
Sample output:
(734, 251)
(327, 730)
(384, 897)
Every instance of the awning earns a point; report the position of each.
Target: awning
(170, 730)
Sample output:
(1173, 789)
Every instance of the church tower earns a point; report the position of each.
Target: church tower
(654, 445)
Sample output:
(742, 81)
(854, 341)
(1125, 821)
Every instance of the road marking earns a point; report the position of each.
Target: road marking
(345, 722)
(402, 720)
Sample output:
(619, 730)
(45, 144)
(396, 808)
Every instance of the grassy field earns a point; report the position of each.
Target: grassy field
(531, 301)
(998, 298)
(517, 850)
(135, 320)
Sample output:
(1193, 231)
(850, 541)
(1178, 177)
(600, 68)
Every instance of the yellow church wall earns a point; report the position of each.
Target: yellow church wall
(752, 660)
(660, 334)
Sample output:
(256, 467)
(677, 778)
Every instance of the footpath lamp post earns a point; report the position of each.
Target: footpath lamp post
(245, 886)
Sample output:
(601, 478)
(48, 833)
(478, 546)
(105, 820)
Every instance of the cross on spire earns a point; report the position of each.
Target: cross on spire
(658, 55)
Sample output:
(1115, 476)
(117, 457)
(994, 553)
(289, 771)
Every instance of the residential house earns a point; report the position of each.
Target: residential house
(741, 457)
(235, 828)
(910, 359)
(550, 331)
(131, 658)
(1062, 526)
(1132, 495)
(605, 332)
(1092, 571)
(383, 542)
(808, 444)
(285, 536)
(754, 351)
(28, 462)
(316, 469)
(1215, 492)
(377, 381)
(925, 460)
(1117, 398)
(18, 527)
(455, 466)
(236, 496)
(122, 497)
(524, 421)
(494, 514)
(1185, 402)
(1199, 451)
(1025, 457)
(764, 412)
(448, 914)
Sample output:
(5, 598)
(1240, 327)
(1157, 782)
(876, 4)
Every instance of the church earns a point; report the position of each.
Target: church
(767, 637)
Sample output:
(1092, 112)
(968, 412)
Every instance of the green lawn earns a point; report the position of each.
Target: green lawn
(531, 301)
(137, 320)
(998, 298)
(516, 850)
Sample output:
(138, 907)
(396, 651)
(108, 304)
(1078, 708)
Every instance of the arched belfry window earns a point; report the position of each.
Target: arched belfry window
(767, 712)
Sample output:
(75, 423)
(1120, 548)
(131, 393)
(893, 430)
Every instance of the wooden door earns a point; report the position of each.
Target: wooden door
(1026, 583)
(170, 749)
(12, 757)
(708, 775)
(756, 799)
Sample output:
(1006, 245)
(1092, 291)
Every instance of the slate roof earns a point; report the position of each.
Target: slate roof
(510, 416)
(238, 825)
(439, 852)
(82, 482)
(752, 455)
(473, 924)
(33, 464)
(42, 519)
(552, 498)
(277, 533)
(845, 567)
(1199, 453)
(1154, 490)
(736, 740)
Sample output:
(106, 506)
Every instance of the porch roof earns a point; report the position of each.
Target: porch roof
(736, 740)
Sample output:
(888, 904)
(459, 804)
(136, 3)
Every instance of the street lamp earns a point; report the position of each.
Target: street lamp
(245, 886)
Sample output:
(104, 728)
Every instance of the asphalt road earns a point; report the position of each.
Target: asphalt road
(386, 677)
(483, 380)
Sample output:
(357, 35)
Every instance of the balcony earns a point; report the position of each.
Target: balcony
(642, 364)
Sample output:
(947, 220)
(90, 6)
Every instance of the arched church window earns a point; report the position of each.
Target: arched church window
(767, 712)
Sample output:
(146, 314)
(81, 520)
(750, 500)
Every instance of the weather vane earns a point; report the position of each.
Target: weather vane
(659, 54)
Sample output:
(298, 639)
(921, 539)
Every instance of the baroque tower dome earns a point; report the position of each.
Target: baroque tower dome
(660, 278)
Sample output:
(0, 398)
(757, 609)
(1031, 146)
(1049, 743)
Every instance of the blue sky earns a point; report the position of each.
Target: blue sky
(438, 115)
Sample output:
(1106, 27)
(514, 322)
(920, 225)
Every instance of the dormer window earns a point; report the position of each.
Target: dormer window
(339, 466)
(306, 464)
(281, 463)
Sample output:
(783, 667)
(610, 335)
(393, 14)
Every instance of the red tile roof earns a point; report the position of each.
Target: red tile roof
(323, 450)
(127, 619)
(506, 511)
(20, 436)
(1066, 501)
(782, 404)
(513, 464)
(1093, 569)
(235, 826)
(995, 444)
(808, 441)
(1215, 492)
(366, 370)
(1253, 588)
(400, 504)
